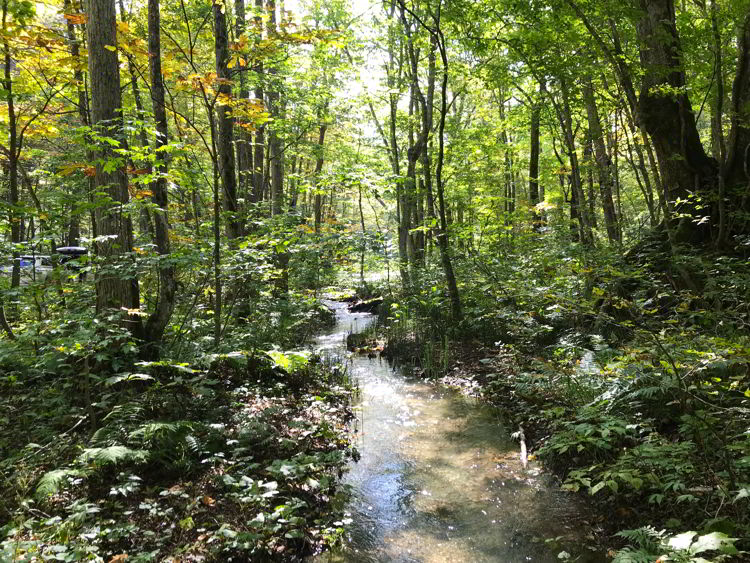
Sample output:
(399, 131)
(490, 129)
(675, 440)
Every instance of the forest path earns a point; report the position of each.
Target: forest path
(439, 478)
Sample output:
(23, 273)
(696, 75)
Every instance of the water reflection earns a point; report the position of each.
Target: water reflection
(438, 479)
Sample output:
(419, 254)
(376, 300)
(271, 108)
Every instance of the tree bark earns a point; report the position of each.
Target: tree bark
(113, 290)
(316, 177)
(737, 168)
(243, 140)
(259, 178)
(274, 141)
(13, 154)
(145, 219)
(225, 150)
(534, 198)
(566, 123)
(443, 240)
(159, 319)
(666, 114)
(74, 228)
(603, 164)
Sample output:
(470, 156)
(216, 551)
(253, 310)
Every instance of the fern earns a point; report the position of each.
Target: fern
(52, 481)
(112, 455)
(649, 392)
(630, 555)
(193, 444)
(646, 537)
(127, 412)
(158, 431)
(169, 443)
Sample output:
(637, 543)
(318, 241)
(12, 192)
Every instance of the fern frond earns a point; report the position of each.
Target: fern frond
(629, 555)
(52, 481)
(112, 455)
(127, 412)
(160, 430)
(193, 444)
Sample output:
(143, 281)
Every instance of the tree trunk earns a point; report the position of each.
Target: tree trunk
(666, 114)
(443, 240)
(274, 141)
(159, 319)
(364, 240)
(14, 151)
(145, 217)
(641, 174)
(113, 291)
(737, 167)
(225, 150)
(316, 177)
(259, 159)
(566, 122)
(603, 164)
(588, 159)
(243, 136)
(74, 228)
(534, 198)
(408, 190)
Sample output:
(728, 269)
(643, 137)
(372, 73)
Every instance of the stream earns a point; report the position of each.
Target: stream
(439, 479)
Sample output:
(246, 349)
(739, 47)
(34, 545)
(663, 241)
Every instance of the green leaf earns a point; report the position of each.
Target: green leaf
(682, 541)
(187, 523)
(598, 487)
(711, 542)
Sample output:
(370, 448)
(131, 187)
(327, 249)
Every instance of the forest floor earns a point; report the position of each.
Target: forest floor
(239, 458)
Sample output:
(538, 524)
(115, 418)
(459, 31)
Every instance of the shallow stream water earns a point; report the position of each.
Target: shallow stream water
(439, 479)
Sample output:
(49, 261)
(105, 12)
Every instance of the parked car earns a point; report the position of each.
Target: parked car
(36, 267)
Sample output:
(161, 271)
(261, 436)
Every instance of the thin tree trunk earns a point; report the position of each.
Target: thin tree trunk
(534, 198)
(603, 164)
(14, 151)
(588, 158)
(159, 319)
(316, 177)
(259, 159)
(74, 229)
(362, 251)
(243, 137)
(566, 122)
(145, 217)
(274, 140)
(225, 150)
(443, 240)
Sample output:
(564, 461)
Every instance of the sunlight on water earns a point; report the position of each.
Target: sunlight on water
(439, 480)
